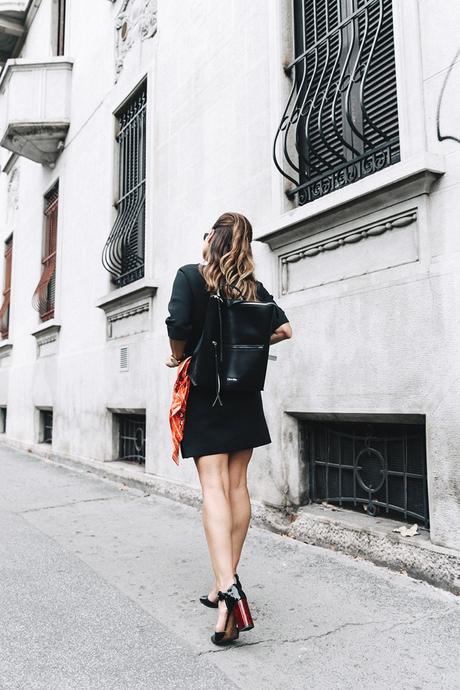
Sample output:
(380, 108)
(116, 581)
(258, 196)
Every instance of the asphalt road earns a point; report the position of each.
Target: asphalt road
(99, 587)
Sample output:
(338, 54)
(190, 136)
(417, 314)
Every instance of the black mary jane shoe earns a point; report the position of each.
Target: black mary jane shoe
(214, 604)
(230, 632)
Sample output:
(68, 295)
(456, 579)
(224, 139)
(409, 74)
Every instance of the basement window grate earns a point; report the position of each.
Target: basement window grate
(376, 467)
(46, 426)
(131, 439)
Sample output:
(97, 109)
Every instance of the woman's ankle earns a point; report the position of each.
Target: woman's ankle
(226, 583)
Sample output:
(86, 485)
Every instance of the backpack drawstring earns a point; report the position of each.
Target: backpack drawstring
(217, 398)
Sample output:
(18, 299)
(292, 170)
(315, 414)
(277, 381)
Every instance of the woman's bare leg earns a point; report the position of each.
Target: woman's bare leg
(213, 471)
(239, 500)
(240, 504)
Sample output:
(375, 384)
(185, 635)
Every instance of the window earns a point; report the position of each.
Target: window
(46, 426)
(43, 297)
(59, 8)
(2, 420)
(131, 437)
(123, 254)
(377, 468)
(341, 120)
(5, 308)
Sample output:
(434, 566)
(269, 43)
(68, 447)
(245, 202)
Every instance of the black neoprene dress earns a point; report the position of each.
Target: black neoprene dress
(240, 422)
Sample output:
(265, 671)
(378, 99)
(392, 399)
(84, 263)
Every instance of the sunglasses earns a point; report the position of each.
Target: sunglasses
(205, 235)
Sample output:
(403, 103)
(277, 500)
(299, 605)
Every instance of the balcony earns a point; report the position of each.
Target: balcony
(12, 27)
(35, 107)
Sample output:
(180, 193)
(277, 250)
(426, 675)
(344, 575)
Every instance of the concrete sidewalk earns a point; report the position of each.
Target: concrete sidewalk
(100, 586)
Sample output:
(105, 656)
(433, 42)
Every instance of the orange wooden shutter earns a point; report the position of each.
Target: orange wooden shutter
(4, 309)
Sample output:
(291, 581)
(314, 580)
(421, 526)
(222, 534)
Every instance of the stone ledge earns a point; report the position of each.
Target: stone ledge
(394, 184)
(373, 539)
(6, 347)
(47, 329)
(333, 528)
(127, 295)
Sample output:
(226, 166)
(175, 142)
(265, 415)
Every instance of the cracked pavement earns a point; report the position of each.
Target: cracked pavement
(100, 586)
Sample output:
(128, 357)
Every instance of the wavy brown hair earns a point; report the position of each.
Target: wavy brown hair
(230, 258)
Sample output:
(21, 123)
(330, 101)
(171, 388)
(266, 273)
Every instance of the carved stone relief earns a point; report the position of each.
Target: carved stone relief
(135, 21)
(129, 321)
(351, 253)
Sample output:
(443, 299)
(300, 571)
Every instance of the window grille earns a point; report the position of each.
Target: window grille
(379, 468)
(60, 22)
(46, 423)
(5, 307)
(2, 420)
(132, 437)
(340, 123)
(44, 294)
(123, 254)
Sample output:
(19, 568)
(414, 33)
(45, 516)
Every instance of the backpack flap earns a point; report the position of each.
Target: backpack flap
(247, 327)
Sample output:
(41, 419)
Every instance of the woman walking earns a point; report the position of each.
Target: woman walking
(221, 438)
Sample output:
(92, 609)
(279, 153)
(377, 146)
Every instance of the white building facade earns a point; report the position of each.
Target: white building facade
(128, 127)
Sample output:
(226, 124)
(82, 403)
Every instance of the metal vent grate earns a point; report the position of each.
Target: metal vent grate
(124, 358)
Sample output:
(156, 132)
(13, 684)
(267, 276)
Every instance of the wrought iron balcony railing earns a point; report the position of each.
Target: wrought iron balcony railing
(340, 122)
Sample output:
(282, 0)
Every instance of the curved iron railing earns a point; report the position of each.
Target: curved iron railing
(123, 253)
(340, 122)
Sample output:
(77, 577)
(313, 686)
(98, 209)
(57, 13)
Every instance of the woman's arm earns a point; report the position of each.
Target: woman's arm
(283, 332)
(179, 321)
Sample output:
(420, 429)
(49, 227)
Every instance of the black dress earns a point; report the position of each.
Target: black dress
(240, 422)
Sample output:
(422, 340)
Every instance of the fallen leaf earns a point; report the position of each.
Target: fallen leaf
(407, 531)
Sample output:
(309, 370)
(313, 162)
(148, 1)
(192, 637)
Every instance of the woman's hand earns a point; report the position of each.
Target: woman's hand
(171, 362)
(177, 354)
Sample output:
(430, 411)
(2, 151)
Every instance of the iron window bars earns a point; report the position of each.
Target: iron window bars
(47, 426)
(132, 437)
(377, 467)
(43, 298)
(123, 253)
(5, 308)
(340, 123)
(60, 10)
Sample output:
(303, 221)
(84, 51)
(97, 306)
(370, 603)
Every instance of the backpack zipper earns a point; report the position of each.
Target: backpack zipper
(248, 347)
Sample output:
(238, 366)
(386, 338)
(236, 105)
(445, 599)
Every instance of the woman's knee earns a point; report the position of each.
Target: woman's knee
(238, 464)
(213, 473)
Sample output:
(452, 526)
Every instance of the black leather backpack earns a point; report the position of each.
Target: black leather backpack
(232, 353)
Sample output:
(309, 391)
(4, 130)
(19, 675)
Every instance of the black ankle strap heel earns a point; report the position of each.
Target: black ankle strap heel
(214, 604)
(230, 632)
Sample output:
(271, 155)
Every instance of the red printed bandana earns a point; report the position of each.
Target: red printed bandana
(178, 406)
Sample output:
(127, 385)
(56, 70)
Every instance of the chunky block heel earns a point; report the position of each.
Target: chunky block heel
(243, 618)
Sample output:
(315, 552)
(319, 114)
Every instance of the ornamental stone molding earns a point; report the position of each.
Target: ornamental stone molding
(350, 238)
(47, 337)
(128, 310)
(136, 21)
(329, 258)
